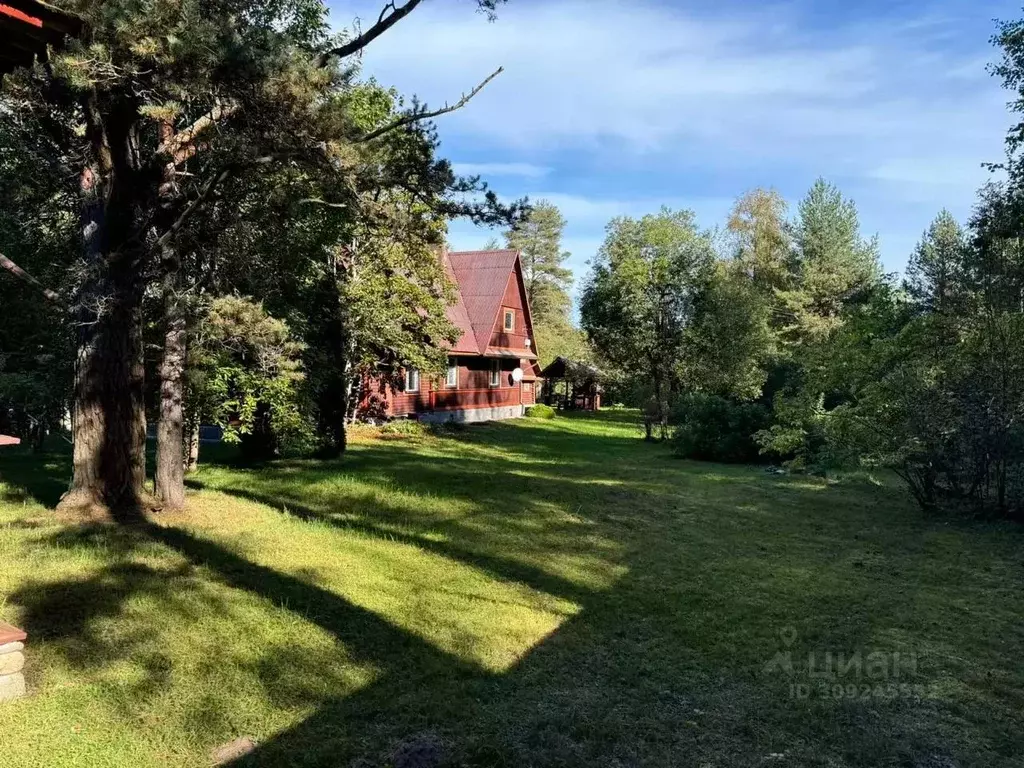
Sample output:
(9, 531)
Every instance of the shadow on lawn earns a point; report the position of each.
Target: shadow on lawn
(646, 673)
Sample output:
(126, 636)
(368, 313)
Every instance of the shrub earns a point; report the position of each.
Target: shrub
(712, 428)
(403, 428)
(540, 412)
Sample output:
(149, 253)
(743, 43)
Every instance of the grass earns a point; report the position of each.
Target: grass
(538, 593)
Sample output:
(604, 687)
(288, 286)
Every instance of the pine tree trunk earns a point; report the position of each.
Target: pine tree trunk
(170, 439)
(170, 436)
(192, 455)
(109, 460)
(334, 391)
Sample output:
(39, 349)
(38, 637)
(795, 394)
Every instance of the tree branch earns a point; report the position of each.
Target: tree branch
(318, 201)
(180, 222)
(182, 145)
(384, 23)
(24, 276)
(416, 117)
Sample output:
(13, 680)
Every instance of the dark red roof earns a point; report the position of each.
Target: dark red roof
(482, 277)
(458, 315)
(27, 27)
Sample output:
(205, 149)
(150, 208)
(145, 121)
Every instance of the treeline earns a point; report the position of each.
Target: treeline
(781, 339)
(207, 216)
(792, 346)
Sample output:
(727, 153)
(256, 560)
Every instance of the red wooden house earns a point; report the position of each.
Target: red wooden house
(492, 368)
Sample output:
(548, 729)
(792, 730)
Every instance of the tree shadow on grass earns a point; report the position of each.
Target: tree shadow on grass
(660, 666)
(28, 476)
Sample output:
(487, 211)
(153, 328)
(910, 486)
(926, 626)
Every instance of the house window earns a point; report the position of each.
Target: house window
(510, 319)
(453, 373)
(412, 380)
(495, 373)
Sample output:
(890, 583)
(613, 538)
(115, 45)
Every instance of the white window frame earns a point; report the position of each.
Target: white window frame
(494, 380)
(510, 313)
(453, 373)
(412, 380)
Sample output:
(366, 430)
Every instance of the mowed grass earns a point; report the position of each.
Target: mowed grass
(538, 593)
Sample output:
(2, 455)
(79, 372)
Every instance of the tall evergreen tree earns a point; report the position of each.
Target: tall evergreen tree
(833, 264)
(152, 111)
(539, 238)
(937, 271)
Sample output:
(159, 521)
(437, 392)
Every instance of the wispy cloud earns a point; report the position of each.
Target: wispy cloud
(628, 105)
(523, 170)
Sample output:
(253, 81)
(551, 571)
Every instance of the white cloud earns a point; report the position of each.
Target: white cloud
(612, 95)
(582, 211)
(644, 76)
(524, 170)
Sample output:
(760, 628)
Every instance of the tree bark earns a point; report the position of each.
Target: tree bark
(170, 439)
(192, 454)
(334, 390)
(109, 460)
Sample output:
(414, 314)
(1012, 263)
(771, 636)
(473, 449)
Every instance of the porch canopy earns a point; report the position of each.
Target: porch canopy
(582, 384)
(27, 28)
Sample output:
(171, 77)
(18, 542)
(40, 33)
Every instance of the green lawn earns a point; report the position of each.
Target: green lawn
(553, 593)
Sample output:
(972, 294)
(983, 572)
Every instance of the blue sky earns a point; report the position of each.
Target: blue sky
(610, 108)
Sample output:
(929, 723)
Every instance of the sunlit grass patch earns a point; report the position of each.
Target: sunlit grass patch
(534, 593)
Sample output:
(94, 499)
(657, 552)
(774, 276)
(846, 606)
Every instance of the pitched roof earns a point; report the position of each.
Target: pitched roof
(458, 315)
(481, 277)
(27, 27)
(5, 440)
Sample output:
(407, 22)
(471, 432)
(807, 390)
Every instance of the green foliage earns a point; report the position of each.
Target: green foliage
(937, 276)
(833, 264)
(730, 343)
(713, 428)
(641, 297)
(538, 237)
(404, 428)
(797, 431)
(561, 339)
(246, 375)
(763, 240)
(540, 411)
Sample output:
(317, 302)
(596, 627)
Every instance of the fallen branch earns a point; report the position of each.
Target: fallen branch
(419, 116)
(24, 276)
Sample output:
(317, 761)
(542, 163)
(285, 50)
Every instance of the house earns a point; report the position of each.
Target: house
(27, 27)
(492, 368)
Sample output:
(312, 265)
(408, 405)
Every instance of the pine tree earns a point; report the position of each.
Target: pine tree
(832, 264)
(936, 275)
(539, 239)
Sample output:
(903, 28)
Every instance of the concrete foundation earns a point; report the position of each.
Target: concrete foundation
(470, 415)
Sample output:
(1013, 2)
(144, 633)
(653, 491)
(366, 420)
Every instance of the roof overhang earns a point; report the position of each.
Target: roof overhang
(28, 27)
(517, 354)
(5, 440)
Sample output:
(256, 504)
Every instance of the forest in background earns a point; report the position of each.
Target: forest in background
(214, 218)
